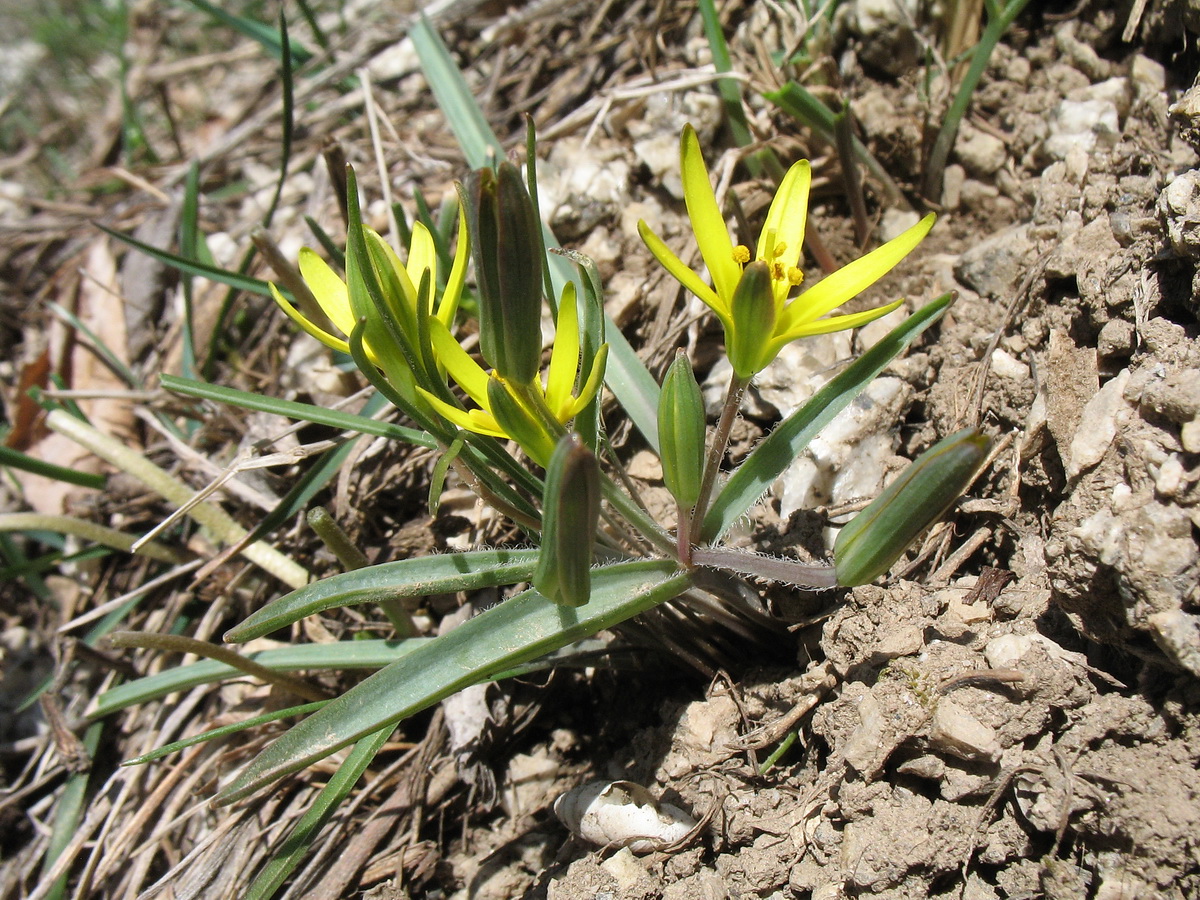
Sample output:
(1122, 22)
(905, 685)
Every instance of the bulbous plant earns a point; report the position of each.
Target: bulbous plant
(599, 558)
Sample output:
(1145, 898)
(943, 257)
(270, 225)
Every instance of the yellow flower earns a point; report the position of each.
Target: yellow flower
(762, 321)
(556, 396)
(334, 298)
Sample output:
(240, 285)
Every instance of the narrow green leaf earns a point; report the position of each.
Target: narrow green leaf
(519, 629)
(343, 655)
(774, 454)
(302, 412)
(794, 99)
(270, 39)
(68, 813)
(728, 88)
(224, 731)
(304, 832)
(191, 267)
(454, 97)
(414, 577)
(18, 460)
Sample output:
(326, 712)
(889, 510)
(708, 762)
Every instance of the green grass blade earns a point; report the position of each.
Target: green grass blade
(403, 578)
(18, 460)
(269, 38)
(88, 531)
(189, 228)
(288, 116)
(335, 253)
(452, 94)
(373, 654)
(775, 453)
(519, 629)
(107, 356)
(728, 88)
(302, 412)
(998, 21)
(331, 796)
(797, 102)
(68, 813)
(224, 731)
(191, 267)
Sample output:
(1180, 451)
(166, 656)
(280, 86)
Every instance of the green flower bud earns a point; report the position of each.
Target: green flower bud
(506, 240)
(681, 432)
(875, 538)
(569, 518)
(753, 313)
(523, 418)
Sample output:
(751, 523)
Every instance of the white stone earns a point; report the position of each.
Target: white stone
(1088, 124)
(1098, 426)
(981, 154)
(957, 732)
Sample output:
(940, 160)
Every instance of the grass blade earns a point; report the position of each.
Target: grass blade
(373, 654)
(302, 412)
(224, 731)
(324, 806)
(68, 813)
(191, 267)
(269, 38)
(797, 102)
(519, 629)
(775, 453)
(18, 460)
(475, 136)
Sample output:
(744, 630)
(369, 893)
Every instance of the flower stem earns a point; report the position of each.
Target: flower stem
(683, 535)
(716, 453)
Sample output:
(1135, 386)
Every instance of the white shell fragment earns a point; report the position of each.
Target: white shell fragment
(621, 813)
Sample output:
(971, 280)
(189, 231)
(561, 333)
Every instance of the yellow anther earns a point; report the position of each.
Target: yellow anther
(777, 250)
(794, 276)
(741, 254)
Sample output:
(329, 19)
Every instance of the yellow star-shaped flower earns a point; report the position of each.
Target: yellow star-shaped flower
(760, 319)
(334, 297)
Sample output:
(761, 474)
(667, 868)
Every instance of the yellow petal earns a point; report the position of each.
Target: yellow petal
(682, 273)
(475, 420)
(850, 280)
(448, 305)
(838, 323)
(788, 214)
(464, 370)
(590, 388)
(321, 335)
(328, 288)
(707, 221)
(564, 358)
(422, 255)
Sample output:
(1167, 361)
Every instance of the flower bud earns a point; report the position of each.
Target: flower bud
(569, 518)
(681, 432)
(753, 314)
(506, 239)
(875, 538)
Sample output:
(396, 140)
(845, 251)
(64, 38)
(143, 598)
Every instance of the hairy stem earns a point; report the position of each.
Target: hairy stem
(716, 453)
